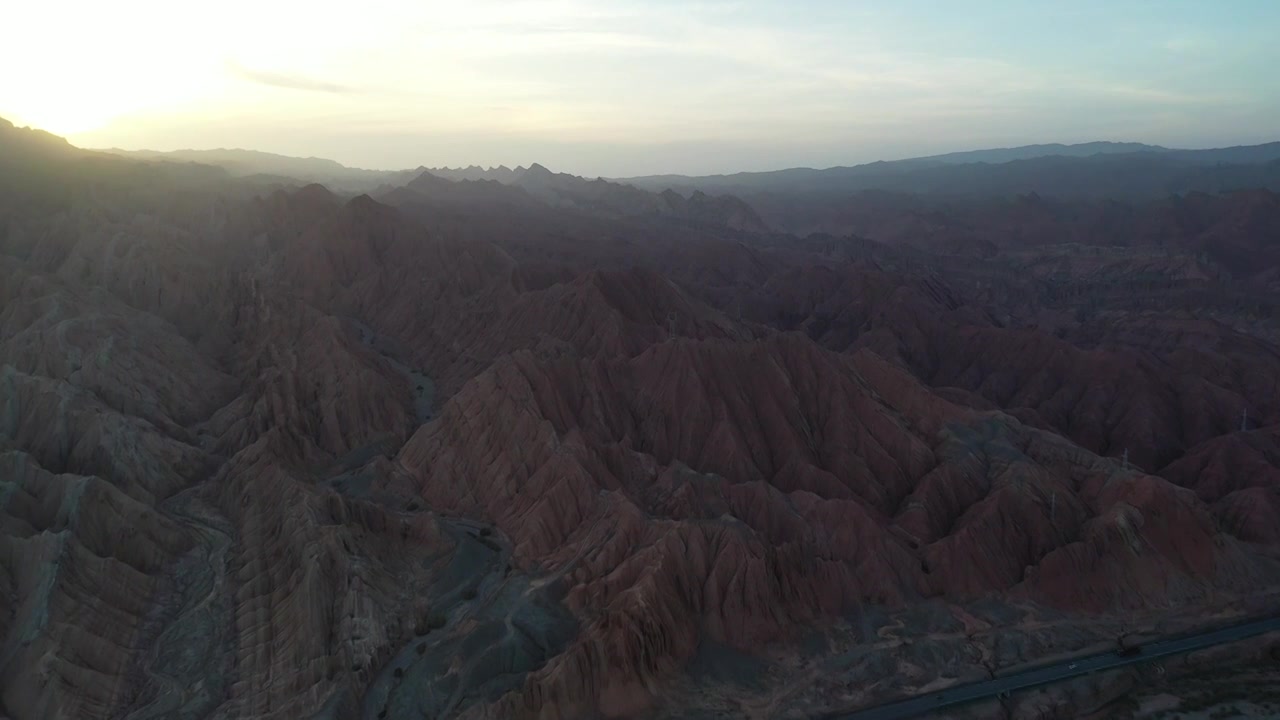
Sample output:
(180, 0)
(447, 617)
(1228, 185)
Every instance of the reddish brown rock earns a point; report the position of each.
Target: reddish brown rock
(657, 448)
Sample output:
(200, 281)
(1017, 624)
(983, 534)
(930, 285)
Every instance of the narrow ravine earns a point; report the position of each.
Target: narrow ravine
(191, 661)
(489, 627)
(422, 387)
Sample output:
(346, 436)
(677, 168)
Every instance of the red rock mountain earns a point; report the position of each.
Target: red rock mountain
(291, 454)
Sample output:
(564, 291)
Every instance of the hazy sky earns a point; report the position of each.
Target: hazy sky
(640, 86)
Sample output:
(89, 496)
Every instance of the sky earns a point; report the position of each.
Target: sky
(632, 87)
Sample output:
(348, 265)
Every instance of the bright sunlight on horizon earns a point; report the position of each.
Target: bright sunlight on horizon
(632, 87)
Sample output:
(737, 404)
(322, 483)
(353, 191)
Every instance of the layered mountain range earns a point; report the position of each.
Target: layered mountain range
(539, 446)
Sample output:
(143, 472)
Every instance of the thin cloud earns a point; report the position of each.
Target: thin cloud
(1188, 45)
(1158, 96)
(288, 81)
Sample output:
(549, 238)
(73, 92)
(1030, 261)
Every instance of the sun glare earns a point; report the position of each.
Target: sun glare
(107, 64)
(70, 113)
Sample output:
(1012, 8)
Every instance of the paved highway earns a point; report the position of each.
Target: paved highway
(935, 701)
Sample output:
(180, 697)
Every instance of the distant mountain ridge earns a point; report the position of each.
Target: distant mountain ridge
(241, 162)
(249, 163)
(1127, 169)
(1112, 171)
(1262, 153)
(601, 198)
(37, 165)
(502, 173)
(1028, 152)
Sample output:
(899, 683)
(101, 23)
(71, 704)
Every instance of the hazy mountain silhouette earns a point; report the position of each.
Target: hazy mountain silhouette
(536, 185)
(271, 167)
(502, 173)
(1092, 169)
(1097, 168)
(1027, 152)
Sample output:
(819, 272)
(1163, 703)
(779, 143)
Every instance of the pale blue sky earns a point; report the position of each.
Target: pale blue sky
(642, 86)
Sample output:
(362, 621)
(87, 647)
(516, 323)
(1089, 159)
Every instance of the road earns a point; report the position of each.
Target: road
(932, 702)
